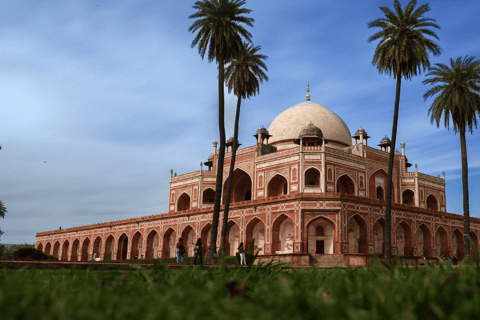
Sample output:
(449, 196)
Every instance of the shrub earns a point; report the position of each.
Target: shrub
(29, 253)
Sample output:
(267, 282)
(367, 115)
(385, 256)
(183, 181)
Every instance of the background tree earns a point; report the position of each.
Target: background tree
(219, 24)
(457, 98)
(3, 210)
(243, 75)
(403, 51)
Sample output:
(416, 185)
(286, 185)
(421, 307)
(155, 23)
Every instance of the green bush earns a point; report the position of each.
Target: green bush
(30, 253)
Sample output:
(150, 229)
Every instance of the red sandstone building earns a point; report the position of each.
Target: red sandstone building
(307, 190)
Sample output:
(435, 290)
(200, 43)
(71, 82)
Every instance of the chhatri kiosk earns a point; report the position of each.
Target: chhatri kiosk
(306, 191)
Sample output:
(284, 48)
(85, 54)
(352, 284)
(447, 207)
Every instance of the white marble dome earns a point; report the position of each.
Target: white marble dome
(290, 122)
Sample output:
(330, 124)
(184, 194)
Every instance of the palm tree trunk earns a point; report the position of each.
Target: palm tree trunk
(388, 200)
(466, 209)
(230, 179)
(221, 156)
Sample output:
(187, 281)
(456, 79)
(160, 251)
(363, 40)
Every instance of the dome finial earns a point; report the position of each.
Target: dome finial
(308, 91)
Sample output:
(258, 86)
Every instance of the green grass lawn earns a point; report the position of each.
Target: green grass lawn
(273, 293)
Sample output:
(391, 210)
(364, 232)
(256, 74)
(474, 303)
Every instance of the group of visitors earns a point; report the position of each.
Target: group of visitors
(197, 252)
(136, 257)
(449, 259)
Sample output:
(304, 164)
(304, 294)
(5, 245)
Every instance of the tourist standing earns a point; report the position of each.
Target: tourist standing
(180, 249)
(197, 251)
(241, 251)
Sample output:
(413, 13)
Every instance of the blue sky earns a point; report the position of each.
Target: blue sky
(112, 96)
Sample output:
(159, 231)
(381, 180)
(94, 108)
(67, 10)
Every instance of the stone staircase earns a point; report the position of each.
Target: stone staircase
(328, 260)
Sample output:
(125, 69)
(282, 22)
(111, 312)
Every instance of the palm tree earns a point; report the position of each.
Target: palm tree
(403, 51)
(458, 89)
(220, 31)
(243, 75)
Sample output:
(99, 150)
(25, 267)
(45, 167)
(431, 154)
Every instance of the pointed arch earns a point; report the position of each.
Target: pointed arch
(40, 246)
(232, 237)
(97, 248)
(282, 234)
(169, 242)
(48, 247)
(65, 249)
(188, 235)
(75, 250)
(312, 177)
(432, 202)
(56, 249)
(404, 239)
(152, 245)
(345, 184)
(474, 237)
(242, 186)
(408, 197)
(441, 241)
(423, 241)
(137, 244)
(122, 247)
(205, 236)
(277, 186)
(184, 202)
(458, 246)
(255, 230)
(109, 247)
(357, 235)
(85, 249)
(379, 173)
(379, 236)
(320, 236)
(208, 196)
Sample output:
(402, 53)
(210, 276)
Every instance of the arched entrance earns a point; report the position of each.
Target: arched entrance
(65, 248)
(48, 247)
(183, 202)
(205, 235)
(404, 239)
(283, 235)
(475, 242)
(423, 244)
(40, 247)
(122, 247)
(458, 246)
(357, 235)
(255, 230)
(277, 186)
(233, 237)
(312, 178)
(137, 243)
(345, 185)
(169, 242)
(441, 242)
(432, 202)
(408, 197)
(189, 240)
(85, 249)
(56, 248)
(152, 245)
(320, 237)
(97, 248)
(378, 236)
(241, 187)
(75, 250)
(109, 248)
(208, 196)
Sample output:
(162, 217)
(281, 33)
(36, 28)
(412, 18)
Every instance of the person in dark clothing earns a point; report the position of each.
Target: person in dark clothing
(180, 249)
(197, 251)
(241, 251)
(455, 260)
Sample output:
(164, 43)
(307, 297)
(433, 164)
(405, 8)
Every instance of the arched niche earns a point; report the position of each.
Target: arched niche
(56, 249)
(241, 187)
(233, 237)
(423, 243)
(458, 246)
(379, 236)
(65, 249)
(137, 245)
(109, 243)
(75, 251)
(188, 236)
(48, 247)
(169, 243)
(97, 247)
(40, 247)
(205, 236)
(183, 202)
(379, 194)
(408, 197)
(345, 185)
(255, 230)
(312, 178)
(404, 239)
(152, 245)
(320, 236)
(283, 235)
(208, 196)
(379, 179)
(432, 202)
(441, 242)
(357, 235)
(277, 186)
(85, 249)
(122, 247)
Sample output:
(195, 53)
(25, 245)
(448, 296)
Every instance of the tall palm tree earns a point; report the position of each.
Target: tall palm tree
(403, 51)
(243, 75)
(220, 31)
(458, 89)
